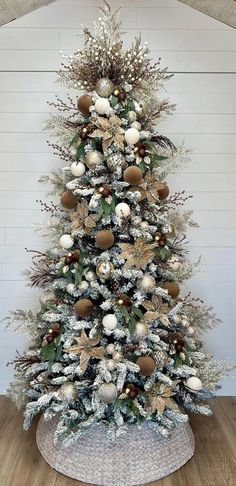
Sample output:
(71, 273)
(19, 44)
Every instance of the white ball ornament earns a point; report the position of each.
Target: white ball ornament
(77, 169)
(68, 392)
(70, 288)
(102, 106)
(132, 136)
(66, 241)
(122, 210)
(110, 322)
(107, 392)
(147, 282)
(110, 348)
(111, 365)
(194, 383)
(136, 125)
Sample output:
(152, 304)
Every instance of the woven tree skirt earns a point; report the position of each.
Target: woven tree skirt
(137, 458)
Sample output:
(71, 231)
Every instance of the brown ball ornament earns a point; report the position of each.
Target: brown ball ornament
(146, 364)
(69, 200)
(83, 307)
(84, 103)
(104, 239)
(163, 192)
(131, 391)
(162, 242)
(133, 175)
(172, 288)
(122, 96)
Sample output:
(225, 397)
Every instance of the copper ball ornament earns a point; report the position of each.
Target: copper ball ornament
(69, 200)
(83, 104)
(172, 288)
(163, 192)
(133, 175)
(146, 364)
(83, 307)
(104, 239)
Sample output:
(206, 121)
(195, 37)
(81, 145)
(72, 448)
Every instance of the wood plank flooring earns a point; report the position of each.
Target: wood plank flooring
(214, 462)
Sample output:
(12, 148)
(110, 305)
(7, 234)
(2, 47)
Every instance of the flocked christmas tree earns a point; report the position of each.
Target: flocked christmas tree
(114, 342)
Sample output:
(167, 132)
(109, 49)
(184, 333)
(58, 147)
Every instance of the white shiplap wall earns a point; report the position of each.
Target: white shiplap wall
(201, 53)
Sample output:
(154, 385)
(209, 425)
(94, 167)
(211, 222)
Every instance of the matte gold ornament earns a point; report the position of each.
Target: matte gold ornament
(86, 348)
(107, 392)
(104, 239)
(141, 332)
(83, 307)
(146, 364)
(68, 392)
(93, 158)
(69, 200)
(168, 229)
(104, 87)
(104, 270)
(83, 104)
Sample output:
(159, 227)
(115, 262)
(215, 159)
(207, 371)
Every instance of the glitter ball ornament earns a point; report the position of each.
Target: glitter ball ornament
(104, 87)
(168, 229)
(163, 192)
(133, 175)
(66, 241)
(172, 288)
(84, 103)
(194, 383)
(132, 116)
(102, 106)
(104, 239)
(174, 263)
(146, 364)
(110, 322)
(47, 297)
(122, 210)
(104, 270)
(107, 392)
(68, 200)
(136, 125)
(83, 307)
(83, 285)
(77, 169)
(141, 332)
(161, 358)
(147, 282)
(132, 136)
(68, 392)
(92, 158)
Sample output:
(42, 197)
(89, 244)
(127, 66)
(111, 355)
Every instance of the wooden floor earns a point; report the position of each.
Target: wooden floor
(214, 463)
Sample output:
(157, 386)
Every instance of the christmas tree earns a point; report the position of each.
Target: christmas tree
(114, 341)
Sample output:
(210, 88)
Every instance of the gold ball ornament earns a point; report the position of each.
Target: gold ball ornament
(104, 270)
(141, 332)
(168, 229)
(104, 87)
(116, 91)
(172, 288)
(104, 239)
(69, 200)
(133, 175)
(83, 307)
(83, 104)
(146, 364)
(107, 392)
(68, 392)
(92, 158)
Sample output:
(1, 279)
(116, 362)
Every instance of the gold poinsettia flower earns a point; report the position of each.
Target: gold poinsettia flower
(159, 397)
(87, 348)
(156, 310)
(138, 254)
(82, 220)
(110, 131)
(151, 186)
